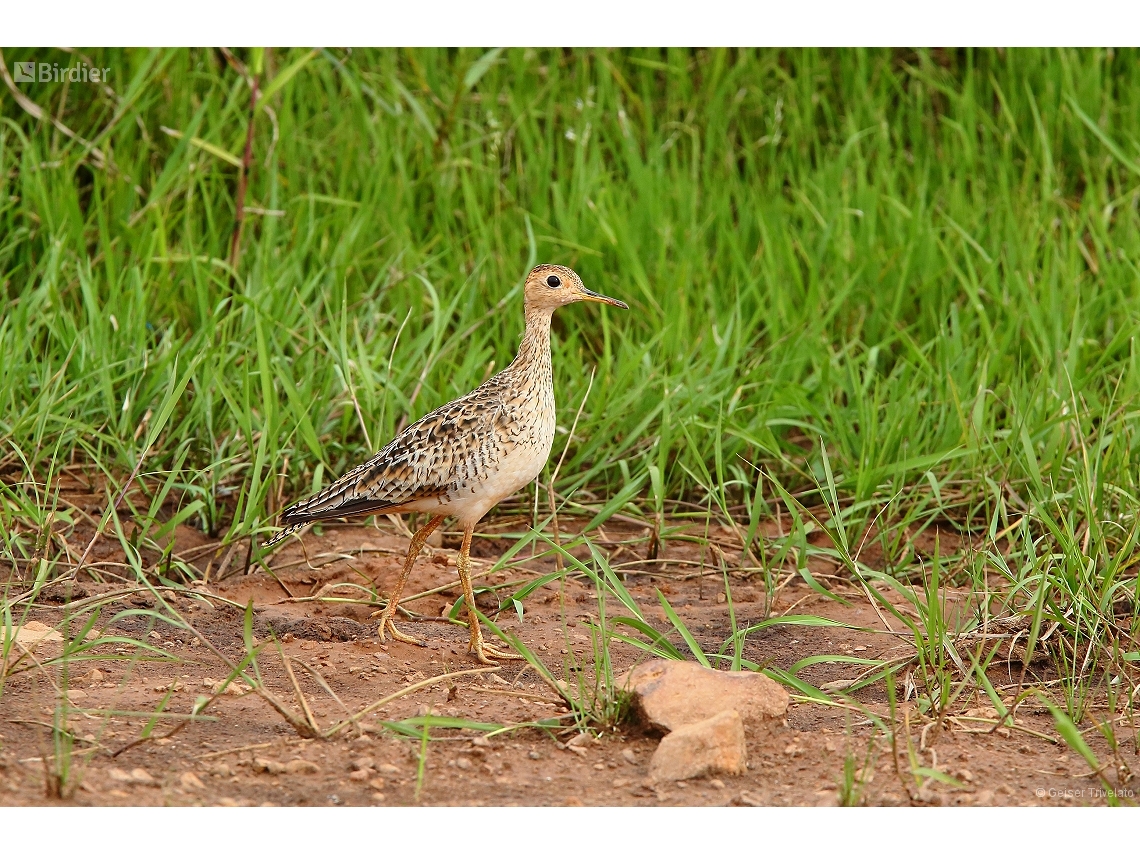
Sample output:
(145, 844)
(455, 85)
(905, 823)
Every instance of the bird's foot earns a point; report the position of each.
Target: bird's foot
(386, 621)
(487, 653)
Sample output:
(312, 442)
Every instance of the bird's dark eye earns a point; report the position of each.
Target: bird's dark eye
(553, 281)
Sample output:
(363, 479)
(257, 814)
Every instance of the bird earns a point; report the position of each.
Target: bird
(463, 458)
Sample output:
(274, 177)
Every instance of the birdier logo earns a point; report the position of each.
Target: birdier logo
(53, 72)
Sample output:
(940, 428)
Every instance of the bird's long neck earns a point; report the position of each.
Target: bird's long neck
(534, 350)
(531, 369)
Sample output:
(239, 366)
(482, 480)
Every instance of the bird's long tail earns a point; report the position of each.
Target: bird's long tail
(284, 533)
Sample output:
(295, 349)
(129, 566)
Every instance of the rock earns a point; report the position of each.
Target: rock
(670, 694)
(234, 688)
(191, 781)
(691, 750)
(33, 632)
(94, 676)
(135, 776)
(142, 776)
(293, 766)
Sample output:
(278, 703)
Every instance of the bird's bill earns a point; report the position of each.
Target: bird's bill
(594, 297)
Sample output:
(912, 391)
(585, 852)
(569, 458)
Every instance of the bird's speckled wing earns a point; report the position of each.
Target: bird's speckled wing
(455, 444)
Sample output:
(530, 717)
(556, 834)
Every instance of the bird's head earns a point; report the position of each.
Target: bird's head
(551, 285)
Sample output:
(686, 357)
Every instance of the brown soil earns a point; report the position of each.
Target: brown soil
(249, 753)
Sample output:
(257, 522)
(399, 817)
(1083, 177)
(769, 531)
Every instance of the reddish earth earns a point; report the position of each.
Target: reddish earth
(249, 754)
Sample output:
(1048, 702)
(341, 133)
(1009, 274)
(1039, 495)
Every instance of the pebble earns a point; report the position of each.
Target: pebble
(274, 767)
(135, 776)
(191, 781)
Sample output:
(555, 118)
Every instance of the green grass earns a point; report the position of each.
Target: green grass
(895, 286)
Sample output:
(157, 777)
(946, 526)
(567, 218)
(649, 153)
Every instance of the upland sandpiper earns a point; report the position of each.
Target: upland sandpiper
(464, 458)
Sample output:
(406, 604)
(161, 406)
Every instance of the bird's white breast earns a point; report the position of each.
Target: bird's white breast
(517, 465)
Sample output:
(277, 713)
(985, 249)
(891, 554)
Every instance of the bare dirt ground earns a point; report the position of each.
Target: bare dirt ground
(249, 755)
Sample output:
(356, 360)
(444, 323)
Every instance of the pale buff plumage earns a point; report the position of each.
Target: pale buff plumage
(465, 457)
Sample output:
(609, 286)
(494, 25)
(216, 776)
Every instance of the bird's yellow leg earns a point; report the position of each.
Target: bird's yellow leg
(389, 612)
(483, 651)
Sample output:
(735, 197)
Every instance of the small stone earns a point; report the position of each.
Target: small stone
(629, 757)
(387, 769)
(713, 745)
(481, 742)
(463, 763)
(717, 783)
(191, 781)
(94, 676)
(534, 755)
(119, 775)
(142, 776)
(274, 767)
(601, 767)
(359, 763)
(360, 774)
(304, 766)
(669, 694)
(378, 797)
